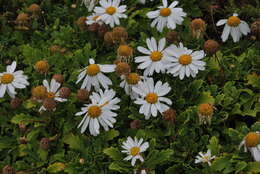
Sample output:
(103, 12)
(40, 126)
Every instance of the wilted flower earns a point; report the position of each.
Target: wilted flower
(42, 66)
(211, 46)
(198, 28)
(16, 102)
(205, 113)
(65, 92)
(133, 148)
(34, 9)
(204, 158)
(255, 28)
(122, 68)
(125, 53)
(119, 34)
(58, 77)
(108, 38)
(135, 124)
(252, 142)
(82, 95)
(169, 115)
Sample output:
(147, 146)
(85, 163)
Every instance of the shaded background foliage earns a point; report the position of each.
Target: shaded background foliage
(232, 84)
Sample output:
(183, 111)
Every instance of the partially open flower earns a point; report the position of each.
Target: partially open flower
(65, 92)
(42, 66)
(198, 28)
(122, 68)
(58, 77)
(211, 46)
(81, 23)
(108, 38)
(125, 52)
(8, 169)
(49, 104)
(45, 143)
(16, 103)
(34, 9)
(251, 142)
(255, 28)
(39, 92)
(169, 115)
(205, 112)
(120, 34)
(172, 37)
(82, 95)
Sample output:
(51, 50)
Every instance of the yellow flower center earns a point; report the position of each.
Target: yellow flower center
(7, 78)
(156, 56)
(93, 69)
(205, 109)
(110, 10)
(252, 139)
(151, 98)
(125, 51)
(94, 111)
(206, 158)
(233, 21)
(165, 12)
(134, 151)
(51, 95)
(185, 59)
(39, 92)
(133, 78)
(95, 18)
(42, 65)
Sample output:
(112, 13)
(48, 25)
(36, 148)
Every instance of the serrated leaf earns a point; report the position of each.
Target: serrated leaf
(56, 167)
(254, 80)
(220, 163)
(214, 145)
(73, 141)
(23, 118)
(113, 153)
(240, 166)
(119, 166)
(158, 157)
(205, 97)
(111, 134)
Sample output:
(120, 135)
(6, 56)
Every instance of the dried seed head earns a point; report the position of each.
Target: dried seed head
(22, 18)
(39, 92)
(82, 95)
(42, 66)
(8, 169)
(81, 23)
(172, 37)
(93, 27)
(49, 104)
(55, 48)
(255, 29)
(198, 27)
(23, 140)
(120, 34)
(22, 127)
(122, 68)
(135, 124)
(124, 51)
(45, 143)
(108, 38)
(65, 92)
(205, 113)
(102, 31)
(169, 115)
(16, 103)
(211, 46)
(58, 77)
(252, 139)
(34, 8)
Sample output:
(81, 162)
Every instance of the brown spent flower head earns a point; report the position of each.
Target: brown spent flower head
(122, 68)
(82, 95)
(205, 113)
(23, 140)
(169, 115)
(172, 37)
(22, 18)
(102, 29)
(34, 8)
(108, 38)
(255, 29)
(59, 78)
(55, 48)
(16, 103)
(124, 51)
(211, 46)
(39, 92)
(8, 169)
(49, 104)
(93, 27)
(198, 28)
(135, 124)
(45, 143)
(42, 66)
(119, 34)
(252, 139)
(22, 127)
(65, 92)
(81, 23)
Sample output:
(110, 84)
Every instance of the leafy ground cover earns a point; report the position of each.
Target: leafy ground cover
(215, 110)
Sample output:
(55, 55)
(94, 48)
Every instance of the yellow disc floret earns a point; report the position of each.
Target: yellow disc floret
(93, 69)
(133, 78)
(135, 151)
(165, 12)
(6, 78)
(233, 21)
(185, 59)
(206, 109)
(94, 111)
(151, 98)
(50, 94)
(156, 56)
(252, 139)
(110, 10)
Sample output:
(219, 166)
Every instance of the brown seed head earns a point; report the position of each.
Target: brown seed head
(108, 38)
(65, 92)
(125, 51)
(42, 66)
(82, 95)
(102, 31)
(169, 115)
(211, 46)
(135, 124)
(34, 8)
(81, 23)
(122, 68)
(22, 17)
(45, 143)
(120, 34)
(49, 104)
(39, 92)
(58, 77)
(255, 29)
(198, 27)
(16, 103)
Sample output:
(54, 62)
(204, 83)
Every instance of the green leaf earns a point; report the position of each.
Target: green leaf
(23, 118)
(73, 141)
(119, 166)
(113, 153)
(220, 163)
(240, 166)
(254, 167)
(214, 145)
(205, 97)
(56, 167)
(43, 154)
(159, 157)
(254, 80)
(111, 134)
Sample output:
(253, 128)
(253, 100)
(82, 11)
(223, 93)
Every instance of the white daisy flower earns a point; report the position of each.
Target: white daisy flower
(167, 16)
(129, 81)
(204, 158)
(110, 12)
(151, 97)
(233, 26)
(93, 19)
(155, 58)
(99, 112)
(90, 4)
(11, 79)
(52, 92)
(252, 142)
(93, 76)
(184, 62)
(134, 148)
